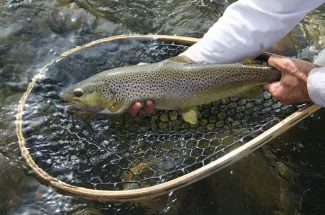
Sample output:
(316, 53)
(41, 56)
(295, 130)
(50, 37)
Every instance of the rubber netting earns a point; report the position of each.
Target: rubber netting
(121, 152)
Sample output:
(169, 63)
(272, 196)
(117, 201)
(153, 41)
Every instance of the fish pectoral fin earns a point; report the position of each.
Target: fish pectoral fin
(180, 59)
(118, 105)
(189, 114)
(255, 92)
(141, 63)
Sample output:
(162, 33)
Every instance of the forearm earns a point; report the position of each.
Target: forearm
(249, 27)
(316, 86)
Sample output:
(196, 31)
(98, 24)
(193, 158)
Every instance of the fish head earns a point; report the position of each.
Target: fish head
(93, 96)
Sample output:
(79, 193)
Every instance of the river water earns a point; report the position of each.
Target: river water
(284, 177)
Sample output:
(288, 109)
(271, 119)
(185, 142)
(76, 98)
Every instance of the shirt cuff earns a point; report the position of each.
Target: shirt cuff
(316, 85)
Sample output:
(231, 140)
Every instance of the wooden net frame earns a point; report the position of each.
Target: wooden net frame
(163, 188)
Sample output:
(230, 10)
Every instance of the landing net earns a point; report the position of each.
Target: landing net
(123, 158)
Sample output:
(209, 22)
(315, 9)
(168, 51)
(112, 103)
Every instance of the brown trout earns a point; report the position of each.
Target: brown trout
(172, 84)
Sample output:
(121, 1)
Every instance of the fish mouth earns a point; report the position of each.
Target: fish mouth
(74, 104)
(63, 96)
(77, 105)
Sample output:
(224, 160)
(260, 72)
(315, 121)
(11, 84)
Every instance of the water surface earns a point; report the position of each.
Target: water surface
(284, 177)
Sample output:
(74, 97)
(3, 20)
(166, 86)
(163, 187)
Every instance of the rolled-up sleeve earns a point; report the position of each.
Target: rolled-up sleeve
(316, 85)
(249, 27)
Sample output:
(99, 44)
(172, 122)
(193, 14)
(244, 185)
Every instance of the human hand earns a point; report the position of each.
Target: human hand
(292, 88)
(136, 106)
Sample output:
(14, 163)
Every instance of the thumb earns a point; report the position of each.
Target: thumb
(276, 61)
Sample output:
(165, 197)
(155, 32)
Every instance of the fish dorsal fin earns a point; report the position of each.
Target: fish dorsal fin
(254, 62)
(180, 59)
(255, 92)
(264, 56)
(189, 114)
(248, 61)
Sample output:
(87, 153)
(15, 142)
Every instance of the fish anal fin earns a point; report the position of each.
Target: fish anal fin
(255, 92)
(118, 105)
(189, 114)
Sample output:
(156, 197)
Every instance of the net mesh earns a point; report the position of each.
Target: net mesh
(120, 152)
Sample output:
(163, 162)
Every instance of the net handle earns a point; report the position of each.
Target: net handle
(163, 188)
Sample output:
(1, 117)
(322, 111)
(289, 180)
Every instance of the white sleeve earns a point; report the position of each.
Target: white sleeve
(316, 85)
(249, 27)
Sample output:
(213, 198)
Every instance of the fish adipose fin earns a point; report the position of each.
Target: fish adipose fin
(189, 114)
(255, 92)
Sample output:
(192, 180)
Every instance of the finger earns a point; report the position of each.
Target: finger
(148, 107)
(134, 108)
(273, 59)
(278, 92)
(272, 87)
(283, 64)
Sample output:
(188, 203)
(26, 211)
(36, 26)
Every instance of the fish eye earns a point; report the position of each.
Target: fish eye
(78, 92)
